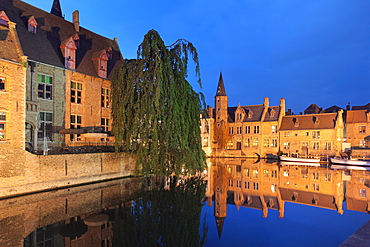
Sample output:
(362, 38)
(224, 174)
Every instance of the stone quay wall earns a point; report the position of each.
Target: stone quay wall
(23, 172)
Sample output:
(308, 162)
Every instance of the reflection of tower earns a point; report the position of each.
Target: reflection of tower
(220, 207)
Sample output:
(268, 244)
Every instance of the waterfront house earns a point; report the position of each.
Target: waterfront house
(68, 86)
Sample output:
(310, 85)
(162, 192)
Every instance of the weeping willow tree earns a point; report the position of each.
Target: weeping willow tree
(155, 109)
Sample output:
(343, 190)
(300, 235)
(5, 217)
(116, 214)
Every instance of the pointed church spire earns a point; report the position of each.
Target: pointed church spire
(220, 225)
(221, 87)
(56, 9)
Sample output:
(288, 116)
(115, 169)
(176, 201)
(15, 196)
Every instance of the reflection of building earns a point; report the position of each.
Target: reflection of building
(312, 185)
(319, 134)
(265, 186)
(358, 191)
(244, 130)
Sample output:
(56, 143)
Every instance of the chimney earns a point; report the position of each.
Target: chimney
(348, 106)
(76, 20)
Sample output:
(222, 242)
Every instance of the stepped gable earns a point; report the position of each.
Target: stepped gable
(9, 45)
(44, 45)
(311, 121)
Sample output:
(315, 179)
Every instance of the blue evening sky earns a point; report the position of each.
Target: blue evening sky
(304, 51)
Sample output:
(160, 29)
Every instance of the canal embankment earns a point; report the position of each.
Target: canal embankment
(24, 173)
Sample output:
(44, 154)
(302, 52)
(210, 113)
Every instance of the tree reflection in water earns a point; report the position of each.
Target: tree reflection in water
(164, 217)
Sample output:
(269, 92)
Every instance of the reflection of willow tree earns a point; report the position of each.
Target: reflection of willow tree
(221, 135)
(164, 218)
(155, 109)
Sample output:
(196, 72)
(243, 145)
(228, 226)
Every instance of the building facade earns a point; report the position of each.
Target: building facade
(67, 79)
(244, 130)
(312, 134)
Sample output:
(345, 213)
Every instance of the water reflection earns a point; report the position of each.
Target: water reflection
(168, 211)
(268, 186)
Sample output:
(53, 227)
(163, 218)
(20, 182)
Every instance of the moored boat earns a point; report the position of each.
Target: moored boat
(299, 159)
(293, 163)
(349, 162)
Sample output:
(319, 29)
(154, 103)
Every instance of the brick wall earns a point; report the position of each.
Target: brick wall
(24, 172)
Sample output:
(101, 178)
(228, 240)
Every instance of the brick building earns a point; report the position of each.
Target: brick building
(244, 130)
(67, 82)
(316, 134)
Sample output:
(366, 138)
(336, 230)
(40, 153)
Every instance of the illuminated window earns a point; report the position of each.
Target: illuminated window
(46, 123)
(286, 134)
(76, 92)
(2, 126)
(230, 170)
(247, 142)
(316, 146)
(316, 134)
(273, 129)
(255, 173)
(265, 173)
(45, 86)
(362, 143)
(205, 142)
(105, 98)
(286, 173)
(266, 142)
(304, 144)
(286, 145)
(274, 143)
(327, 177)
(246, 173)
(255, 142)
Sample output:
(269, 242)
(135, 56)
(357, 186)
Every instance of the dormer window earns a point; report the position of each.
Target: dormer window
(250, 114)
(110, 53)
(69, 48)
(4, 20)
(32, 24)
(100, 60)
(272, 113)
(76, 38)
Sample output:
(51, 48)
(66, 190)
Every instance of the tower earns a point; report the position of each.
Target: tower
(221, 116)
(56, 9)
(221, 102)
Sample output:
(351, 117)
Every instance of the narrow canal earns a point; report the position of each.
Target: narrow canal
(241, 202)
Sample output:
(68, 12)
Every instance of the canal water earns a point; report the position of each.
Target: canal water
(241, 202)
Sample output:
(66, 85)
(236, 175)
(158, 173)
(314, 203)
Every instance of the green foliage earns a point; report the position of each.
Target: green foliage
(155, 109)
